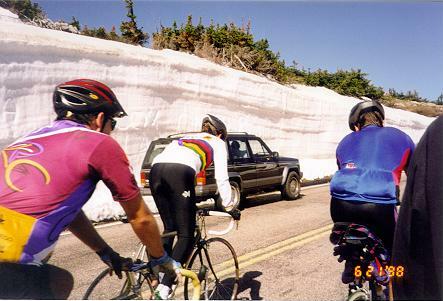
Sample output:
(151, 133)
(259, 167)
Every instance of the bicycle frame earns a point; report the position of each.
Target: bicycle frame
(200, 260)
(350, 238)
(141, 270)
(201, 234)
(135, 285)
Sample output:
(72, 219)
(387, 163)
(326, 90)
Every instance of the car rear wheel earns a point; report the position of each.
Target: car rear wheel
(235, 195)
(291, 188)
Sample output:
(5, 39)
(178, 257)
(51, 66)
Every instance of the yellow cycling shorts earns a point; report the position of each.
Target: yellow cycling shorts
(15, 230)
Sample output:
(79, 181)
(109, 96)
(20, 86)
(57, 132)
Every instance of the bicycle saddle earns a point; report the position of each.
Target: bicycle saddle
(351, 237)
(352, 233)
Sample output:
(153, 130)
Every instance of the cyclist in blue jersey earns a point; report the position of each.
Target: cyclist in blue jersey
(365, 189)
(172, 182)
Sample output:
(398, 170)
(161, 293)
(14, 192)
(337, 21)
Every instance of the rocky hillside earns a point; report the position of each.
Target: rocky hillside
(424, 108)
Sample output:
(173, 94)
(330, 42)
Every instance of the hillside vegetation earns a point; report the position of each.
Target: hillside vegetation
(235, 47)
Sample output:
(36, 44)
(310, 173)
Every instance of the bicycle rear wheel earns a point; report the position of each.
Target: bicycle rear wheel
(376, 291)
(358, 296)
(131, 286)
(216, 264)
(106, 287)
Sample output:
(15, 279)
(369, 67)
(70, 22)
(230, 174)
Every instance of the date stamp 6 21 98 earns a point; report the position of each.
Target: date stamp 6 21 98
(394, 271)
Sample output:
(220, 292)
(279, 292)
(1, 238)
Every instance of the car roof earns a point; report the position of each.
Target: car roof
(239, 134)
(230, 134)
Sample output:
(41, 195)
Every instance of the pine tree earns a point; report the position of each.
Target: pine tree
(440, 99)
(113, 35)
(130, 32)
(75, 23)
(25, 9)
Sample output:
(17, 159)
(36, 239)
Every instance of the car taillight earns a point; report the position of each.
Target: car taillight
(143, 178)
(201, 178)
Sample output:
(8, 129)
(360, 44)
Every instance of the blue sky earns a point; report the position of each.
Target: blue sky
(399, 44)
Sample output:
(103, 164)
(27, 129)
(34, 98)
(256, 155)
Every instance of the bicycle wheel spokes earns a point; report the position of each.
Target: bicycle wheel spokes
(358, 296)
(217, 267)
(131, 286)
(106, 287)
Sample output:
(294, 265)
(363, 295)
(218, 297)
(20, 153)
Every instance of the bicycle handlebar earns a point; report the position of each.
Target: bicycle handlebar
(234, 216)
(195, 282)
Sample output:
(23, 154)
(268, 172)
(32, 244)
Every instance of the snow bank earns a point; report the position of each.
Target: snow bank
(166, 92)
(7, 16)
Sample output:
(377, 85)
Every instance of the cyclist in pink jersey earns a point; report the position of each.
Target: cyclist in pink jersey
(45, 179)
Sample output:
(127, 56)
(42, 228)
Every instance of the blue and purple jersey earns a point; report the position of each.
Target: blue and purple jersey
(370, 163)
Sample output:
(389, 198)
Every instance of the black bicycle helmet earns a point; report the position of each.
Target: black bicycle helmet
(362, 108)
(218, 125)
(86, 96)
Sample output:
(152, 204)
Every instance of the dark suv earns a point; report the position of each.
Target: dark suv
(252, 168)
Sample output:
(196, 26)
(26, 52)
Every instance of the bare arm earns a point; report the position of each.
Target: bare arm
(82, 228)
(144, 224)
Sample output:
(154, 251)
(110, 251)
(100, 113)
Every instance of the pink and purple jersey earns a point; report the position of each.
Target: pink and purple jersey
(46, 178)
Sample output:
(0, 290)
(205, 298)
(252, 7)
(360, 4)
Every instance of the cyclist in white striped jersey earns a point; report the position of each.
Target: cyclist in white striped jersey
(172, 183)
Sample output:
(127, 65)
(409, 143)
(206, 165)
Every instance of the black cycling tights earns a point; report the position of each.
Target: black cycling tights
(24, 281)
(172, 186)
(380, 218)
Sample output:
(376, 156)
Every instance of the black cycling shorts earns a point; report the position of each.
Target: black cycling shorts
(22, 281)
(379, 218)
(172, 186)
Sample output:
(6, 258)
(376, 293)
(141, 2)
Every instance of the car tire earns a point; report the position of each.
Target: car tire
(236, 195)
(291, 188)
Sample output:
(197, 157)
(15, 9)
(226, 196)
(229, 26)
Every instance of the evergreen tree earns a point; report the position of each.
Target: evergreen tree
(440, 99)
(101, 33)
(25, 9)
(130, 32)
(75, 23)
(113, 35)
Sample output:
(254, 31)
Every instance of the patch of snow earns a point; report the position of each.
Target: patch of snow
(8, 16)
(166, 92)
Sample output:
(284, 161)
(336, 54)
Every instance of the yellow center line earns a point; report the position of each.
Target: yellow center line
(278, 247)
(226, 268)
(286, 242)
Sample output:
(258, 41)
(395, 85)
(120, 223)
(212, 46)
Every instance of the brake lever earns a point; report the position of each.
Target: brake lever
(236, 214)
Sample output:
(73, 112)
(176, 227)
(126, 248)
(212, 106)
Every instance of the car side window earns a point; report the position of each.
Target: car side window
(258, 149)
(239, 150)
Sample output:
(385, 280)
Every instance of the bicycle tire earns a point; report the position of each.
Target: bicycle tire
(218, 257)
(358, 296)
(114, 288)
(373, 291)
(105, 287)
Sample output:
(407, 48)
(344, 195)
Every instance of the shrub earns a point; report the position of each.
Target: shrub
(352, 83)
(130, 32)
(227, 44)
(25, 9)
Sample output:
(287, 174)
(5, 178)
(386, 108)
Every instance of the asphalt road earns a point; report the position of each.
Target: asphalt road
(283, 248)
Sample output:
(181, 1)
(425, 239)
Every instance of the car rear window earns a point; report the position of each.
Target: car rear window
(155, 149)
